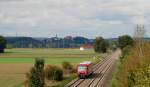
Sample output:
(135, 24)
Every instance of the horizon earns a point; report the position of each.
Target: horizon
(66, 36)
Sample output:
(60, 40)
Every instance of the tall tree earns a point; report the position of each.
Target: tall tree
(124, 41)
(2, 44)
(100, 45)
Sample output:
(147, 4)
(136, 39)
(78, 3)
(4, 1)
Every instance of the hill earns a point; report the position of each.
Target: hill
(53, 42)
(23, 42)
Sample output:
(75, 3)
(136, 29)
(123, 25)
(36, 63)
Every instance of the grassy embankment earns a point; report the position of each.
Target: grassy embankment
(15, 63)
(134, 68)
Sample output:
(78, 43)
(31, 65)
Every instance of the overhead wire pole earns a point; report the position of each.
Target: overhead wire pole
(139, 37)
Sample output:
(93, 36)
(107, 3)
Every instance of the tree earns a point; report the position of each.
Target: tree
(2, 44)
(100, 45)
(124, 41)
(36, 75)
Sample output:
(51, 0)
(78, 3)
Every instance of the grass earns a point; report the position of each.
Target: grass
(25, 54)
(52, 56)
(66, 80)
(47, 60)
(14, 63)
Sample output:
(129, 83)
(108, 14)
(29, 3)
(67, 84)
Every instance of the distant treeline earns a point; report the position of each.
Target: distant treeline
(54, 42)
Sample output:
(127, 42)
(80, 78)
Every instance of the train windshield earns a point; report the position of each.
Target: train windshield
(82, 68)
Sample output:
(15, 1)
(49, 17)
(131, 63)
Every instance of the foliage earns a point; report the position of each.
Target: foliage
(125, 52)
(134, 71)
(58, 74)
(140, 77)
(2, 44)
(113, 45)
(53, 73)
(67, 66)
(66, 80)
(80, 40)
(124, 41)
(100, 45)
(36, 75)
(49, 72)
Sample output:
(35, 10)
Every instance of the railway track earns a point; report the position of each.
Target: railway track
(78, 81)
(101, 71)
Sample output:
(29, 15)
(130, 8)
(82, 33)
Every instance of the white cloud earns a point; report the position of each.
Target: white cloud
(72, 14)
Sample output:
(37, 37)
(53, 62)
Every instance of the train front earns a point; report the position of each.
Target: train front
(83, 69)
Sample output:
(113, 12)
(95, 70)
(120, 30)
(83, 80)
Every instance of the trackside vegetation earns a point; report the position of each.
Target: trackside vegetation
(67, 67)
(53, 73)
(134, 68)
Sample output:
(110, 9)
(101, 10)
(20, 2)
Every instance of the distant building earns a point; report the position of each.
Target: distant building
(69, 37)
(86, 47)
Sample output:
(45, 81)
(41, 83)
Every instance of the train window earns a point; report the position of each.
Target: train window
(82, 68)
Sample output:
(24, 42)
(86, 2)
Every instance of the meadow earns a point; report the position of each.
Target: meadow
(15, 63)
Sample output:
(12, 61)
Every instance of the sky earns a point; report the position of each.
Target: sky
(88, 18)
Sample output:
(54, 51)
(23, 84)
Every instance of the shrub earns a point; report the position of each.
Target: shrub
(35, 78)
(49, 72)
(58, 74)
(125, 52)
(53, 73)
(67, 66)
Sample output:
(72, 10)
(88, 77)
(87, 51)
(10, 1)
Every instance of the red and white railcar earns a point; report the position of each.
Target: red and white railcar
(84, 69)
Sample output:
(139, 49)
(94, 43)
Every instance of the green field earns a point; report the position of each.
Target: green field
(14, 63)
(51, 56)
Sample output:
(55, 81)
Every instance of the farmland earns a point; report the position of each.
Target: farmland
(14, 63)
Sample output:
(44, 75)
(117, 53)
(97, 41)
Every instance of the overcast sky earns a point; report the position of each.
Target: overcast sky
(89, 18)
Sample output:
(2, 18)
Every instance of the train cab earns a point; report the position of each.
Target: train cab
(84, 69)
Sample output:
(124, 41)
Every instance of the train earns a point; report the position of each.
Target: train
(84, 69)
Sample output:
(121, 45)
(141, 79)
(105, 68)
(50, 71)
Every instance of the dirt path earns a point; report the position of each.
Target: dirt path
(102, 72)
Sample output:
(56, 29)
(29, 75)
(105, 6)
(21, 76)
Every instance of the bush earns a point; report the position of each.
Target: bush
(53, 73)
(35, 78)
(49, 72)
(125, 52)
(67, 66)
(58, 74)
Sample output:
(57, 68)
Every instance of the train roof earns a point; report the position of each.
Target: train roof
(86, 63)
